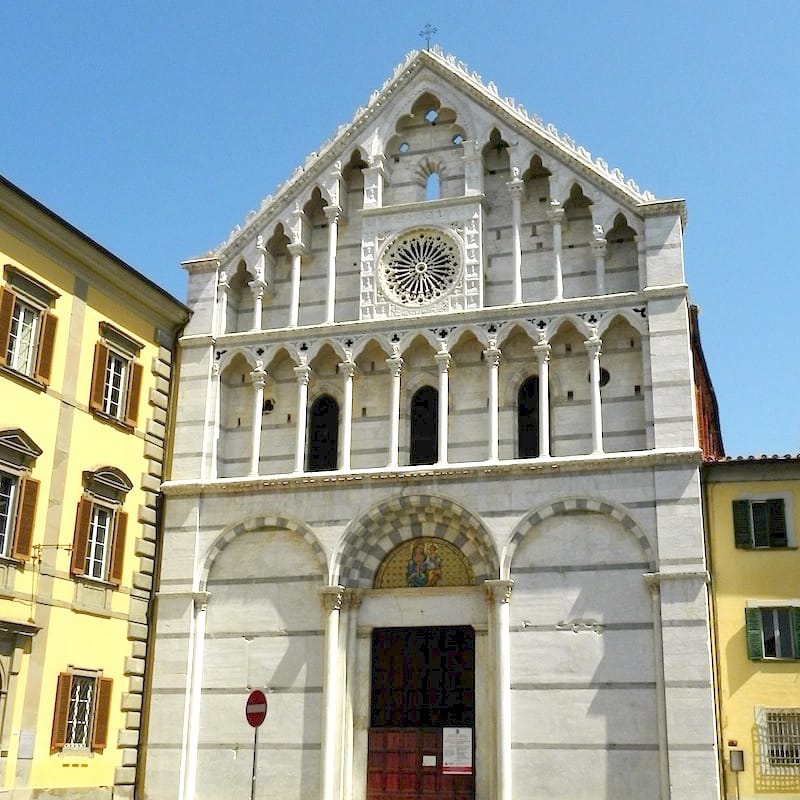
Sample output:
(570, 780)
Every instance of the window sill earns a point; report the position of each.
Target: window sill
(113, 421)
(769, 548)
(22, 378)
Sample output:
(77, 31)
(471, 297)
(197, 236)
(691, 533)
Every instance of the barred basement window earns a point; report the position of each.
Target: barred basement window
(779, 740)
(80, 719)
(760, 523)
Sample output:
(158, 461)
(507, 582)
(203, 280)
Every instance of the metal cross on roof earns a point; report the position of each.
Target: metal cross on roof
(426, 33)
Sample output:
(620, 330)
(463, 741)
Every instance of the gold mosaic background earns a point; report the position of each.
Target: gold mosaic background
(423, 562)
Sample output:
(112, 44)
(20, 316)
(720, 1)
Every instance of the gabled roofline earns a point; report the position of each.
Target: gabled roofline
(446, 65)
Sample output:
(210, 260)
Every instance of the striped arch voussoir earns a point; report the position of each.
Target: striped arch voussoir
(373, 536)
(531, 520)
(259, 524)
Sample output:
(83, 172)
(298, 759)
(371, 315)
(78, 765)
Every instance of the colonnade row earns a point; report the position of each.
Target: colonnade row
(340, 609)
(263, 283)
(492, 356)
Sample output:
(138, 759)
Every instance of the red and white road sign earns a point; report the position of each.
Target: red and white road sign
(256, 708)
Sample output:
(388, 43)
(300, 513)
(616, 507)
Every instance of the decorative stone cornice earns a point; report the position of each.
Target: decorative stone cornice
(655, 579)
(410, 476)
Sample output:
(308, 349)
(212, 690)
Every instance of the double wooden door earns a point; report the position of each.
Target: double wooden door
(423, 681)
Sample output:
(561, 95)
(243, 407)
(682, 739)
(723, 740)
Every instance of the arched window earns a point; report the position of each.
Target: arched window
(433, 187)
(425, 426)
(528, 418)
(323, 434)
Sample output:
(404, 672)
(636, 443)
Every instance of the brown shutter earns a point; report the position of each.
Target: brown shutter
(58, 737)
(44, 356)
(81, 540)
(118, 548)
(26, 515)
(102, 708)
(134, 390)
(7, 299)
(98, 377)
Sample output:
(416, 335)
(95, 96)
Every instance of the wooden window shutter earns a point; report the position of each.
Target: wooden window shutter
(80, 541)
(26, 515)
(776, 522)
(118, 548)
(44, 356)
(7, 299)
(98, 377)
(742, 533)
(134, 390)
(58, 737)
(102, 709)
(755, 637)
(796, 631)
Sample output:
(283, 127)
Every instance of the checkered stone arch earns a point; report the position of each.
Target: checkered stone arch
(572, 505)
(261, 524)
(370, 538)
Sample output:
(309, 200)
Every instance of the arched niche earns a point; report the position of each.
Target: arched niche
(235, 418)
(239, 314)
(622, 259)
(577, 258)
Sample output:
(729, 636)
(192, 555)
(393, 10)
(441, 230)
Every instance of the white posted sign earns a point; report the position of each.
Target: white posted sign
(457, 751)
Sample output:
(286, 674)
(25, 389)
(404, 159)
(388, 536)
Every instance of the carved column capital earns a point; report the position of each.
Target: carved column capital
(542, 352)
(331, 597)
(303, 374)
(296, 249)
(333, 214)
(443, 361)
(594, 344)
(395, 365)
(352, 599)
(200, 600)
(516, 188)
(492, 356)
(348, 368)
(258, 377)
(222, 280)
(498, 591)
(555, 214)
(259, 288)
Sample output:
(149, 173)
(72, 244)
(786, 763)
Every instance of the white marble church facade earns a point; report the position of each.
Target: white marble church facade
(450, 327)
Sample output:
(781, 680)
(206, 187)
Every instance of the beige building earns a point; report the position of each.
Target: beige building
(85, 368)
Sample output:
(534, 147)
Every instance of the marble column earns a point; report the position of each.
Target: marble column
(296, 251)
(348, 369)
(498, 595)
(223, 288)
(599, 249)
(331, 597)
(555, 215)
(333, 214)
(189, 777)
(352, 602)
(303, 373)
(492, 356)
(258, 377)
(258, 286)
(395, 371)
(443, 362)
(594, 347)
(542, 352)
(516, 188)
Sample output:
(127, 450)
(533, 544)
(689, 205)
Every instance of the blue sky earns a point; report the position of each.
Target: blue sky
(156, 127)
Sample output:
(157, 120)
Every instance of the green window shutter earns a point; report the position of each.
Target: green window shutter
(741, 523)
(776, 522)
(796, 632)
(755, 638)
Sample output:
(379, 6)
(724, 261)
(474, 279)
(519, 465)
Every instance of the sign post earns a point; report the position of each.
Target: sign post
(255, 711)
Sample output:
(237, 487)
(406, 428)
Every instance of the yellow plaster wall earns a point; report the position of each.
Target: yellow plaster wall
(739, 576)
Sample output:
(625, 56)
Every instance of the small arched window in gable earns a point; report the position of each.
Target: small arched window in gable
(323, 434)
(425, 426)
(433, 190)
(528, 418)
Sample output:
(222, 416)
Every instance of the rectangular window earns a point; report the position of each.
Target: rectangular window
(98, 547)
(760, 523)
(18, 494)
(772, 632)
(8, 495)
(779, 740)
(80, 720)
(27, 335)
(115, 384)
(116, 378)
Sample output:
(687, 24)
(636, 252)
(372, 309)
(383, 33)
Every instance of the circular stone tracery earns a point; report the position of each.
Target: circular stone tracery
(420, 266)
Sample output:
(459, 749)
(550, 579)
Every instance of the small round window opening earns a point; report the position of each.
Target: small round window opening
(458, 139)
(605, 376)
(404, 147)
(268, 406)
(431, 115)
(420, 266)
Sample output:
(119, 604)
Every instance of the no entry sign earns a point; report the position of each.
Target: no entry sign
(256, 708)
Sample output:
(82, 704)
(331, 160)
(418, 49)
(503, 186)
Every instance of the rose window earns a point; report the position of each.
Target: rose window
(420, 266)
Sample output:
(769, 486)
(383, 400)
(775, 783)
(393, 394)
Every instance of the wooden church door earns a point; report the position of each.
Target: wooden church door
(423, 696)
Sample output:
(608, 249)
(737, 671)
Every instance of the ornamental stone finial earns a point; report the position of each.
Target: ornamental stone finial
(598, 232)
(260, 242)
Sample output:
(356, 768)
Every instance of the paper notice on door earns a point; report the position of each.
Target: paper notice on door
(457, 751)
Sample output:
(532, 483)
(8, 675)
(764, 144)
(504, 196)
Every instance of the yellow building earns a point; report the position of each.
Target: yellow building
(85, 362)
(752, 530)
